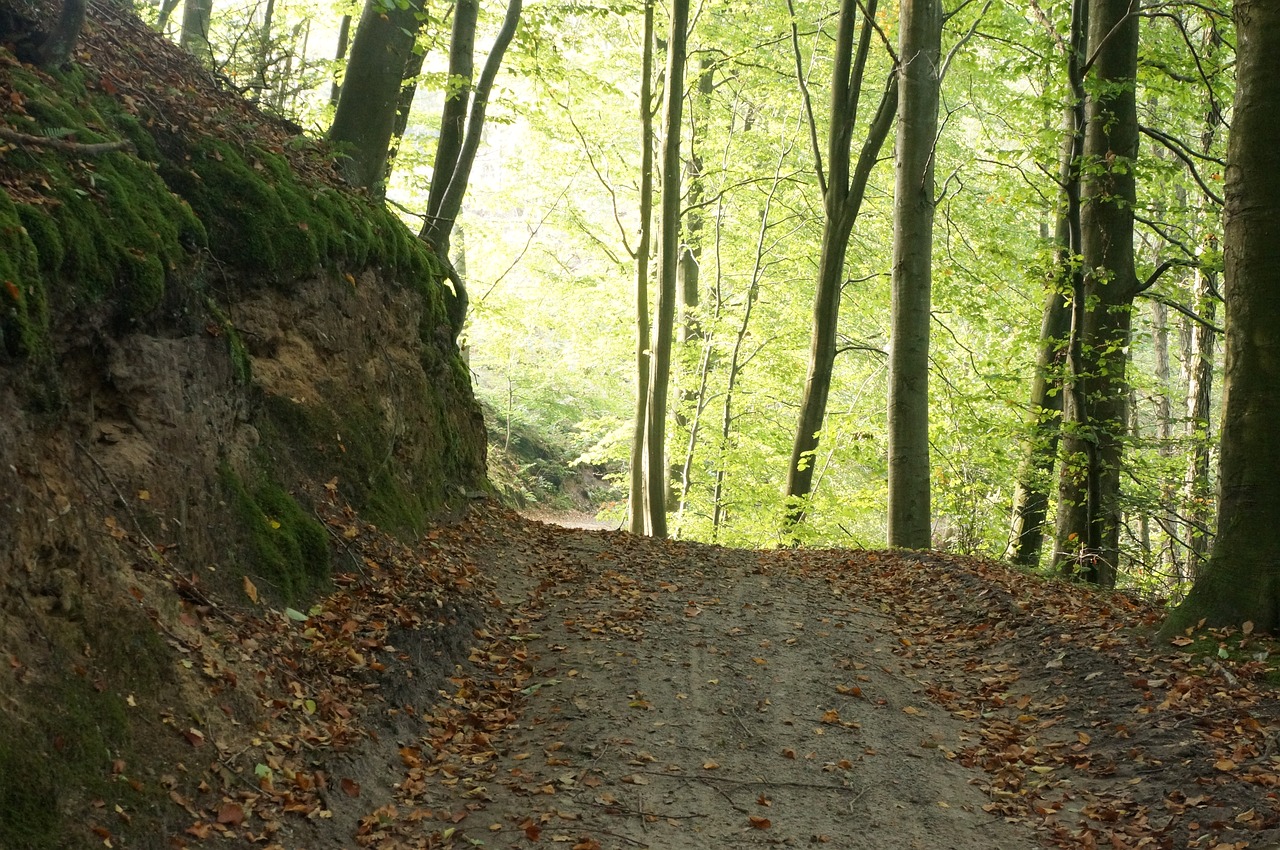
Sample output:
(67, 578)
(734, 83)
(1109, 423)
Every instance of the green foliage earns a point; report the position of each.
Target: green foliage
(290, 547)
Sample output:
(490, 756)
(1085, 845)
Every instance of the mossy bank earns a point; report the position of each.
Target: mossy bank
(202, 336)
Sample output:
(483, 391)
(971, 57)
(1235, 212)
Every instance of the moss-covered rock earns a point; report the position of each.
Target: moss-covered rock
(289, 546)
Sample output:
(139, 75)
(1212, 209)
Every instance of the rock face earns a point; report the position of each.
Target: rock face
(176, 400)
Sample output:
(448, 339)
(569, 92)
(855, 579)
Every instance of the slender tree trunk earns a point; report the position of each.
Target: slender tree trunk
(404, 108)
(366, 115)
(455, 175)
(453, 116)
(636, 510)
(1031, 494)
(264, 45)
(1167, 516)
(1095, 414)
(1241, 582)
(1197, 492)
(655, 459)
(339, 54)
(842, 201)
(919, 84)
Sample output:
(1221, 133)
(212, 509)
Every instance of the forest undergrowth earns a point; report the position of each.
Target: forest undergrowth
(512, 683)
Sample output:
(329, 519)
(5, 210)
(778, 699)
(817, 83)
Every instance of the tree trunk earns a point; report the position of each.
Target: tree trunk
(196, 16)
(636, 505)
(456, 175)
(339, 54)
(1197, 492)
(453, 115)
(842, 201)
(1241, 581)
(919, 84)
(655, 458)
(366, 114)
(404, 108)
(1031, 494)
(57, 45)
(1095, 410)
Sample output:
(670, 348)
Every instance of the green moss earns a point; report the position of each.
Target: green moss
(352, 443)
(290, 547)
(67, 750)
(24, 317)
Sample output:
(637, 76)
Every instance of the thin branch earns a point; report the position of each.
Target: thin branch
(81, 148)
(1183, 153)
(955, 48)
(608, 187)
(1186, 311)
(808, 101)
(529, 241)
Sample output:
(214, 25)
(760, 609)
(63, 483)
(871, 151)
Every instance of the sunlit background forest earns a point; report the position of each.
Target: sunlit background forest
(549, 233)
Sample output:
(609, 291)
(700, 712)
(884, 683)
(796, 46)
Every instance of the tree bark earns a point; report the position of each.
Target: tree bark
(366, 114)
(196, 16)
(455, 177)
(1241, 581)
(1096, 405)
(453, 115)
(58, 44)
(918, 82)
(842, 200)
(636, 519)
(655, 459)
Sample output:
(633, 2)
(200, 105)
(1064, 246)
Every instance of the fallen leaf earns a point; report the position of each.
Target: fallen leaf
(231, 814)
(759, 822)
(251, 590)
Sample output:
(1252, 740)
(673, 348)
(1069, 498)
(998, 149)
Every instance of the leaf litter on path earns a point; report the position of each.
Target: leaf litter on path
(611, 691)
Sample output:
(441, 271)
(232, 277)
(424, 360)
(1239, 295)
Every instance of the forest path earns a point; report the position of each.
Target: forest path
(674, 695)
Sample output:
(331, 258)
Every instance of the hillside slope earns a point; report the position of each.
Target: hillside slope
(204, 341)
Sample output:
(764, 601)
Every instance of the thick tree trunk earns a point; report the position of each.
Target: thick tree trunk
(842, 200)
(1241, 581)
(636, 504)
(918, 81)
(196, 17)
(57, 45)
(1095, 411)
(655, 455)
(365, 119)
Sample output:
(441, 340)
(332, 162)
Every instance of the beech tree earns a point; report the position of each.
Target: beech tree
(1095, 406)
(366, 115)
(655, 455)
(919, 76)
(843, 185)
(636, 475)
(1241, 582)
(458, 145)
